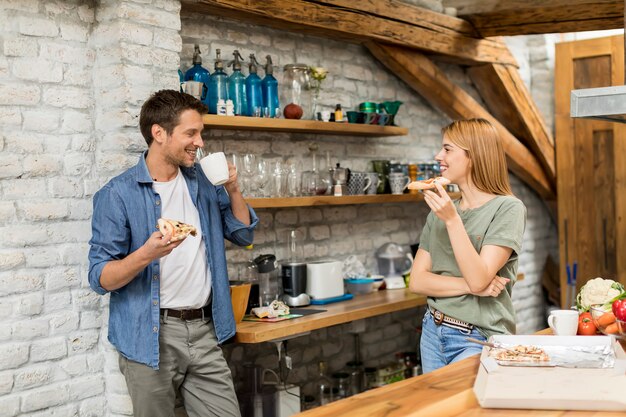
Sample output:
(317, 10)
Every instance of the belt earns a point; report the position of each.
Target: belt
(441, 319)
(198, 313)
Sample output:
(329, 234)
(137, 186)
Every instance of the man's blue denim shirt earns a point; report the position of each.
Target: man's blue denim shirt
(125, 213)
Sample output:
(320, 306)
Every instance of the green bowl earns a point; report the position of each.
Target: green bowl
(391, 107)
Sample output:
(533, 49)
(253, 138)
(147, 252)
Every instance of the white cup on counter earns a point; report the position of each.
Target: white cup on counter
(215, 168)
(563, 322)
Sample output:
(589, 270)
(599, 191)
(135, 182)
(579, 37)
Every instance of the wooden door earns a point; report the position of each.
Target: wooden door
(591, 165)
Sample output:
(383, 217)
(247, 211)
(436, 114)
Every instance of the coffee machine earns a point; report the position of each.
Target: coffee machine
(294, 284)
(294, 273)
(340, 178)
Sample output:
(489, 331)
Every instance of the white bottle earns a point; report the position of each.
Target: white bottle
(221, 107)
(230, 108)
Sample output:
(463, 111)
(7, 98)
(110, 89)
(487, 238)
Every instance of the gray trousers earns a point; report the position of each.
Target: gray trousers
(191, 363)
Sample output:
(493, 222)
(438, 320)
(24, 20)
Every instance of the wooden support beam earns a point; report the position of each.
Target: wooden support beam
(421, 74)
(387, 21)
(526, 17)
(507, 98)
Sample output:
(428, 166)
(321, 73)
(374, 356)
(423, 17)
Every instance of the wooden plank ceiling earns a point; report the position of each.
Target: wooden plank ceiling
(527, 17)
(406, 38)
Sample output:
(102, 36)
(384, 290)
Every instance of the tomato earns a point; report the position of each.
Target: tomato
(619, 309)
(585, 325)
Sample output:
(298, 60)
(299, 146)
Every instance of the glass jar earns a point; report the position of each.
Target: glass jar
(370, 378)
(323, 386)
(297, 87)
(341, 382)
(357, 376)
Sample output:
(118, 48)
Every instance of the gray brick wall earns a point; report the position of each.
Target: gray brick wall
(73, 76)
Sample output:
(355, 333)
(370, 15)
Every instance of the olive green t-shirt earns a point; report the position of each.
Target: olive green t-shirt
(500, 221)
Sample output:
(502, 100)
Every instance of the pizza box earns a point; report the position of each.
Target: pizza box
(555, 387)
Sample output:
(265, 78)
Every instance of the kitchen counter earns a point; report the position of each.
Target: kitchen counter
(445, 392)
(360, 307)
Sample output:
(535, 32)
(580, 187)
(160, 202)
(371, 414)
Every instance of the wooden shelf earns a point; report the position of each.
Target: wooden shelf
(300, 126)
(330, 200)
(360, 307)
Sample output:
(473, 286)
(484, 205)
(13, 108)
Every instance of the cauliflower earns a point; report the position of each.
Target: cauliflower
(597, 291)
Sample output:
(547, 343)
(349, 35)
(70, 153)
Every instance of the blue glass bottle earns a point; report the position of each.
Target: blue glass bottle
(253, 88)
(218, 83)
(269, 87)
(197, 72)
(237, 86)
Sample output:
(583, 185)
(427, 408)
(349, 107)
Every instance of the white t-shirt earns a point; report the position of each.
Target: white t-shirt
(185, 274)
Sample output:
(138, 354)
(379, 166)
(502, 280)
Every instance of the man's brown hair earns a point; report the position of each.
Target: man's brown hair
(164, 109)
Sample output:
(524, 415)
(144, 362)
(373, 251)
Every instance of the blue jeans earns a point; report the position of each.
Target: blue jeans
(443, 345)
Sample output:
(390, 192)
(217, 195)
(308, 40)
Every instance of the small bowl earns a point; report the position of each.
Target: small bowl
(358, 286)
(605, 321)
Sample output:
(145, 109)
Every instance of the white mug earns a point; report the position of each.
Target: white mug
(563, 322)
(194, 88)
(215, 168)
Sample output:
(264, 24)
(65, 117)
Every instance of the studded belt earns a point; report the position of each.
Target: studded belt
(441, 319)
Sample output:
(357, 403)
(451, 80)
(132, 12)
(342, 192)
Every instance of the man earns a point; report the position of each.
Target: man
(170, 305)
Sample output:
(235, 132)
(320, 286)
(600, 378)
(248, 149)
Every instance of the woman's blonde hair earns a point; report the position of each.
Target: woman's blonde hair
(481, 141)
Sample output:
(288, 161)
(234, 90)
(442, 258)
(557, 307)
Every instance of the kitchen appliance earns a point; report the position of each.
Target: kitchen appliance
(294, 276)
(602, 103)
(393, 262)
(268, 278)
(324, 279)
(294, 272)
(340, 178)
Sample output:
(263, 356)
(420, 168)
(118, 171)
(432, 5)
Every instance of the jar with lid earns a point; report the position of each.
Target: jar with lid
(268, 278)
(297, 88)
(370, 378)
(357, 377)
(341, 382)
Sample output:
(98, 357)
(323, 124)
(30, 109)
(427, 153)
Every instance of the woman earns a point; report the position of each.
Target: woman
(468, 255)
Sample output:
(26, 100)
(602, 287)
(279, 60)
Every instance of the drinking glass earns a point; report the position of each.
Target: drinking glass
(293, 185)
(248, 170)
(278, 180)
(262, 178)
(248, 164)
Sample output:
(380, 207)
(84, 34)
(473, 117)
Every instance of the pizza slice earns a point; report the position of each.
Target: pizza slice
(428, 184)
(520, 353)
(178, 230)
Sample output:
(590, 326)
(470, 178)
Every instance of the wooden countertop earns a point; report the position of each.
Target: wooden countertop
(445, 392)
(360, 307)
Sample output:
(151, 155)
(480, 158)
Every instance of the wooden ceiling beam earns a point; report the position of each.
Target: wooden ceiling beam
(422, 75)
(527, 17)
(387, 21)
(507, 98)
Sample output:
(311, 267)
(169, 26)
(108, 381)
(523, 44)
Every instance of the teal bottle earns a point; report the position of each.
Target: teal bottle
(253, 88)
(218, 84)
(197, 72)
(269, 87)
(237, 86)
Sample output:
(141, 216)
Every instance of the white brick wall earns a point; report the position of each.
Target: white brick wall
(72, 79)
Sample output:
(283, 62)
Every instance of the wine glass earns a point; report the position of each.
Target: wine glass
(262, 178)
(248, 164)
